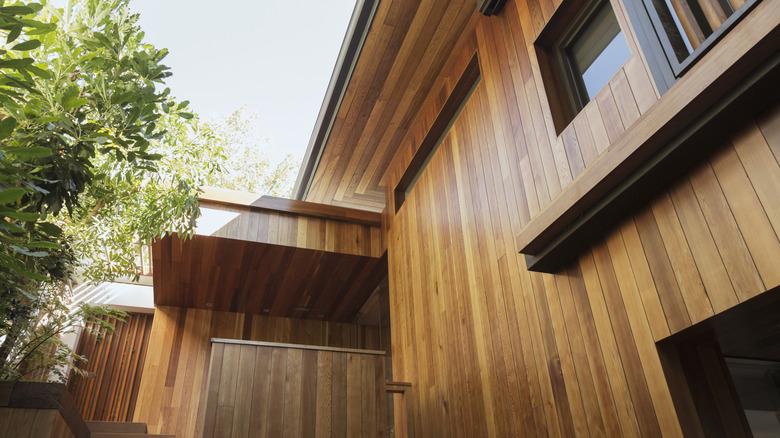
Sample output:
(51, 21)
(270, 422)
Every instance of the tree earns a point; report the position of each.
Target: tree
(84, 118)
(246, 168)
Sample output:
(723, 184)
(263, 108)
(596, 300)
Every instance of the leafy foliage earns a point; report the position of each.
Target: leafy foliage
(83, 119)
(245, 166)
(96, 156)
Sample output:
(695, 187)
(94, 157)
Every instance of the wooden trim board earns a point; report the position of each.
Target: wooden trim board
(297, 346)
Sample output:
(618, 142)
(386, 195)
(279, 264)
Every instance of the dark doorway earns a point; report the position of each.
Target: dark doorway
(724, 373)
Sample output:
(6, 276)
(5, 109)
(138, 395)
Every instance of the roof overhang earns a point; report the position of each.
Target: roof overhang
(272, 256)
(355, 36)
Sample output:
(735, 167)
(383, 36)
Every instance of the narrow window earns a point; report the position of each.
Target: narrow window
(598, 53)
(579, 51)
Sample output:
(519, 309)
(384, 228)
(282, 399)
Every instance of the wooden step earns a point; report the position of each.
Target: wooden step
(115, 427)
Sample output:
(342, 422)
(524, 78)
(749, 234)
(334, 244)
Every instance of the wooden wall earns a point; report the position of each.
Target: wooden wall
(115, 362)
(39, 410)
(300, 231)
(274, 391)
(33, 423)
(571, 353)
(176, 366)
(408, 42)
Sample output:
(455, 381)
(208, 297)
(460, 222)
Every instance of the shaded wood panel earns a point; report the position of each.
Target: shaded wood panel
(271, 391)
(216, 273)
(172, 393)
(115, 362)
(39, 410)
(571, 353)
(33, 423)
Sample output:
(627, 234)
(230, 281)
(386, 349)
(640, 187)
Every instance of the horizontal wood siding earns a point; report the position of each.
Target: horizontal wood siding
(114, 363)
(495, 350)
(267, 391)
(174, 379)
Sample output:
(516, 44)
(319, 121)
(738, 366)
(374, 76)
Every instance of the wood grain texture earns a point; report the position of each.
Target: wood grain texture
(39, 410)
(216, 273)
(571, 353)
(249, 393)
(406, 46)
(114, 363)
(299, 230)
(173, 385)
(33, 423)
(746, 49)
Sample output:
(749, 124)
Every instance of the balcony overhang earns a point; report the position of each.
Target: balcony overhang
(272, 256)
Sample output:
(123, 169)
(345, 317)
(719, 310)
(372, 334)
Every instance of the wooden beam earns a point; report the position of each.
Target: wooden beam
(298, 346)
(303, 208)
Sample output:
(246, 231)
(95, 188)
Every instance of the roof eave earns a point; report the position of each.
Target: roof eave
(354, 38)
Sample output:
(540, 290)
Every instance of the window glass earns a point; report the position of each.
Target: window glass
(598, 52)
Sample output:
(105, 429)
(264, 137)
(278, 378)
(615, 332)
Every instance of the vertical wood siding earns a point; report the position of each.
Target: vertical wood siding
(495, 350)
(174, 379)
(265, 391)
(115, 362)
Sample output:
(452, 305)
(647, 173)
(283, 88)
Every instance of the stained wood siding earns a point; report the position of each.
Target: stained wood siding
(408, 42)
(300, 231)
(239, 276)
(264, 391)
(114, 362)
(571, 353)
(171, 396)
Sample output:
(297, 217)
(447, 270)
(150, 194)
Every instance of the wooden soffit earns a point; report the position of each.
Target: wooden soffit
(404, 49)
(272, 256)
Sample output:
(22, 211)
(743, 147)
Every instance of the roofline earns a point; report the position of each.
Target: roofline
(354, 38)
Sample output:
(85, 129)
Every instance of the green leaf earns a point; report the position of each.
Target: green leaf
(17, 10)
(31, 152)
(13, 34)
(16, 63)
(7, 126)
(37, 71)
(187, 116)
(27, 252)
(20, 215)
(8, 196)
(70, 98)
(43, 245)
(27, 45)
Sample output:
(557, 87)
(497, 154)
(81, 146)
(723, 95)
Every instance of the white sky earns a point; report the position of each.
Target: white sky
(273, 57)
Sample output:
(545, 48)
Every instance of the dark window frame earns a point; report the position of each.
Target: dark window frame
(566, 92)
(657, 45)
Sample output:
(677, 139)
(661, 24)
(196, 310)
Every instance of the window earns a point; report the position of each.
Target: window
(681, 31)
(597, 53)
(579, 52)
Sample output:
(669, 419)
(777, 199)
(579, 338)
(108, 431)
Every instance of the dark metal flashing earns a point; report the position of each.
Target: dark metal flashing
(358, 28)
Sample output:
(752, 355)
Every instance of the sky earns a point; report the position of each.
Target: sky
(272, 57)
